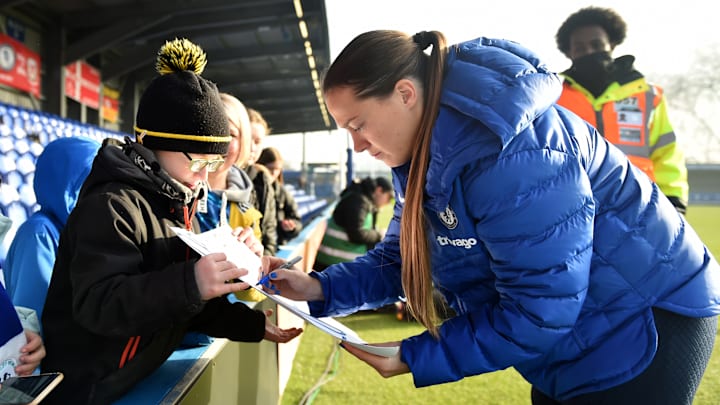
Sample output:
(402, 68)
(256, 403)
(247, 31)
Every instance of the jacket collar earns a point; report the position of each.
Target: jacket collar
(492, 91)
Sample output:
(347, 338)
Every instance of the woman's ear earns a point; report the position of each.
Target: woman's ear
(408, 92)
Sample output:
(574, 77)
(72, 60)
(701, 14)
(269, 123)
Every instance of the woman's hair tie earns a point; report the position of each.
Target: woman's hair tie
(423, 39)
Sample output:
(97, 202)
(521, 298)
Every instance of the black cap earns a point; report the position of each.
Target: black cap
(181, 111)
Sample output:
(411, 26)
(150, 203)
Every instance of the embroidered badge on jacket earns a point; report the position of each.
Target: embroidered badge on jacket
(448, 218)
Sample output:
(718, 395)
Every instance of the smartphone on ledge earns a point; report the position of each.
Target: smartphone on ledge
(28, 390)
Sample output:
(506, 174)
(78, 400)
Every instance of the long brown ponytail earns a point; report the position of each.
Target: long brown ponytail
(416, 273)
(372, 64)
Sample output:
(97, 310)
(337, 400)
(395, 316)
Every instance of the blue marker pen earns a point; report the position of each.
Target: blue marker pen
(287, 266)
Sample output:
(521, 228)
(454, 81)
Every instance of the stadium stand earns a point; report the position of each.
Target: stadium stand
(309, 206)
(23, 136)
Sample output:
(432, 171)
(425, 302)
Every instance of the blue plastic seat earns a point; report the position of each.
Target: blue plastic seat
(27, 198)
(13, 179)
(7, 164)
(11, 207)
(22, 146)
(303, 199)
(6, 143)
(36, 149)
(19, 132)
(25, 117)
(13, 113)
(26, 164)
(5, 130)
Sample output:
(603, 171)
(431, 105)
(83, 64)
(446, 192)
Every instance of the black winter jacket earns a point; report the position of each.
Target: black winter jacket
(265, 203)
(123, 291)
(287, 208)
(353, 208)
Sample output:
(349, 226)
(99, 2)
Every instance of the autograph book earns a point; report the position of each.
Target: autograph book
(222, 240)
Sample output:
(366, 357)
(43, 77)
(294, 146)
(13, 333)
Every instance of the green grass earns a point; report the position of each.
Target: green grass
(706, 221)
(357, 383)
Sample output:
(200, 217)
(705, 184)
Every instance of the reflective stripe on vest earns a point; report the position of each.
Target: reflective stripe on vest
(336, 246)
(337, 234)
(625, 123)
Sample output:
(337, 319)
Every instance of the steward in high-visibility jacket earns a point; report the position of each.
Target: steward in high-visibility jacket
(617, 100)
(351, 230)
(632, 114)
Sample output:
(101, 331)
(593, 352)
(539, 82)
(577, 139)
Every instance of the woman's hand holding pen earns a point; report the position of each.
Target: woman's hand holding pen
(386, 366)
(290, 283)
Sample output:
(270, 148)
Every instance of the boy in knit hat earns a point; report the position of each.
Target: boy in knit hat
(125, 289)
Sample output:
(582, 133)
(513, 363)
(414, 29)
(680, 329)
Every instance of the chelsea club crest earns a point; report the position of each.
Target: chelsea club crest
(448, 218)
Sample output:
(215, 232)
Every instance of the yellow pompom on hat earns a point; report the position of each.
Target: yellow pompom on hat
(180, 110)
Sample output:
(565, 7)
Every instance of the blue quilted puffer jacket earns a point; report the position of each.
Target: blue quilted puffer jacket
(549, 245)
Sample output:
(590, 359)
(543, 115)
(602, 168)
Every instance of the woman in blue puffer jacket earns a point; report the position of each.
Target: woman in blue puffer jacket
(559, 257)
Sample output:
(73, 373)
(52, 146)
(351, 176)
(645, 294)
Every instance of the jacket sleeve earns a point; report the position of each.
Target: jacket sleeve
(235, 321)
(116, 290)
(368, 282)
(268, 206)
(668, 158)
(29, 263)
(536, 224)
(290, 211)
(350, 214)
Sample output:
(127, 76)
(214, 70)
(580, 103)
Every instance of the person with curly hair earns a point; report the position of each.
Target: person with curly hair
(614, 97)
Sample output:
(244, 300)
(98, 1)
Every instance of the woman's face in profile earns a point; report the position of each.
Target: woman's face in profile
(386, 128)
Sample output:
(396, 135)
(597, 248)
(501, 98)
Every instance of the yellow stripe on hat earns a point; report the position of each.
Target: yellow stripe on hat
(198, 138)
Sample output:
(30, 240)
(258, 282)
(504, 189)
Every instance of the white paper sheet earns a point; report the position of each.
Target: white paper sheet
(222, 240)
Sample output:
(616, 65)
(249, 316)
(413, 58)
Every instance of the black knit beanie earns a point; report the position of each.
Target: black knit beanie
(180, 111)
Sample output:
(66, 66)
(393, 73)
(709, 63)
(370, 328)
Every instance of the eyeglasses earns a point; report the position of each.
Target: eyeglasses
(198, 164)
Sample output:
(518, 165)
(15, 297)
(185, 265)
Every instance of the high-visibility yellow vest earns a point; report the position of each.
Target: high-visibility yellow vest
(633, 117)
(336, 246)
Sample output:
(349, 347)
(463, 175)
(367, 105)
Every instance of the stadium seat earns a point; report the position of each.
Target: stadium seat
(19, 132)
(11, 207)
(7, 165)
(23, 136)
(36, 149)
(26, 164)
(13, 179)
(22, 146)
(6, 143)
(27, 198)
(5, 130)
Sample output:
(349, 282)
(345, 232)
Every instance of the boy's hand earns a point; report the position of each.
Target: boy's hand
(215, 276)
